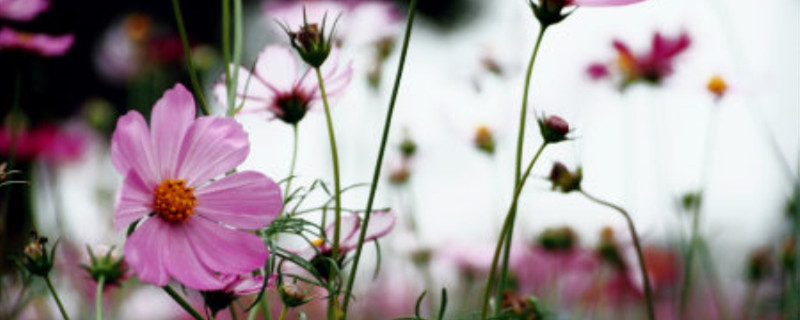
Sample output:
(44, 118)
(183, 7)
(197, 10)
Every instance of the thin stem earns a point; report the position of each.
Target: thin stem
(648, 291)
(749, 302)
(182, 302)
(263, 305)
(523, 114)
(226, 53)
(379, 161)
(55, 296)
(98, 298)
(198, 89)
(291, 168)
(505, 230)
(284, 311)
(232, 309)
(337, 192)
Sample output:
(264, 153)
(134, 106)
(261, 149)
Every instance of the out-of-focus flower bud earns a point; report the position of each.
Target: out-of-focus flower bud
(564, 180)
(292, 296)
(106, 264)
(484, 139)
(400, 175)
(526, 308)
(408, 147)
(759, 265)
(558, 239)
(789, 255)
(554, 129)
(608, 249)
(717, 86)
(36, 258)
(691, 201)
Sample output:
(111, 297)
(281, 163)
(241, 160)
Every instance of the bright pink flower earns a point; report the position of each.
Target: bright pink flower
(652, 66)
(193, 226)
(42, 44)
(46, 142)
(277, 86)
(22, 10)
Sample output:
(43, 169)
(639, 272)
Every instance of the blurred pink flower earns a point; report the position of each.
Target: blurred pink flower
(651, 67)
(380, 224)
(277, 87)
(568, 273)
(47, 142)
(22, 10)
(42, 44)
(194, 232)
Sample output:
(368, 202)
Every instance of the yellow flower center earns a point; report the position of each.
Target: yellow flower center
(174, 201)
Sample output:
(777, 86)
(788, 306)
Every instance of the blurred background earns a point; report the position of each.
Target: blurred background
(644, 146)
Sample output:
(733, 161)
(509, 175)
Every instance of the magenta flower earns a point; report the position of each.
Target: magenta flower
(650, 67)
(45, 142)
(277, 86)
(42, 44)
(22, 10)
(193, 227)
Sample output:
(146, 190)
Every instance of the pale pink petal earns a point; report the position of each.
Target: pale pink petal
(251, 91)
(602, 3)
(349, 227)
(143, 251)
(170, 119)
(135, 201)
(225, 250)
(380, 224)
(336, 77)
(247, 200)
(250, 285)
(212, 146)
(276, 67)
(182, 261)
(131, 148)
(51, 46)
(22, 10)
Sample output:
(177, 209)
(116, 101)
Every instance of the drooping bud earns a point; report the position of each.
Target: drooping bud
(558, 239)
(106, 264)
(717, 86)
(292, 296)
(759, 265)
(484, 139)
(564, 180)
(310, 41)
(554, 129)
(36, 258)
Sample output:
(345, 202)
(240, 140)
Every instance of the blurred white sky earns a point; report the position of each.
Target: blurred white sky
(641, 148)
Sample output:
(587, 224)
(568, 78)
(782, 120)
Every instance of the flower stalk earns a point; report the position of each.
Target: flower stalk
(648, 291)
(187, 50)
(98, 298)
(55, 297)
(381, 150)
(182, 302)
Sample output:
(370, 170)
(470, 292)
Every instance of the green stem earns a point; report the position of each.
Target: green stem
(198, 89)
(232, 309)
(226, 53)
(98, 298)
(332, 297)
(510, 216)
(523, 114)
(55, 296)
(182, 302)
(263, 306)
(648, 291)
(750, 300)
(284, 311)
(379, 161)
(288, 189)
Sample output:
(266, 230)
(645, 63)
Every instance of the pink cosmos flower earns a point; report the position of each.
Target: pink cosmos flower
(22, 10)
(193, 230)
(651, 67)
(42, 44)
(45, 142)
(277, 86)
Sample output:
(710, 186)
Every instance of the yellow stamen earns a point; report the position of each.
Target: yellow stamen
(317, 242)
(174, 201)
(717, 86)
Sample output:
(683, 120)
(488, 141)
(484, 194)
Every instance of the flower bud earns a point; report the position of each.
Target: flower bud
(106, 264)
(311, 42)
(408, 148)
(789, 255)
(563, 179)
(608, 249)
(717, 86)
(36, 258)
(484, 139)
(400, 175)
(759, 265)
(558, 239)
(554, 129)
(292, 296)
(516, 307)
(691, 201)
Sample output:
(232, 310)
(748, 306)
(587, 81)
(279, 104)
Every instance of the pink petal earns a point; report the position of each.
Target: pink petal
(212, 146)
(22, 10)
(170, 119)
(136, 198)
(349, 227)
(602, 3)
(380, 224)
(51, 46)
(276, 67)
(336, 78)
(251, 91)
(182, 261)
(143, 251)
(131, 148)
(247, 200)
(225, 250)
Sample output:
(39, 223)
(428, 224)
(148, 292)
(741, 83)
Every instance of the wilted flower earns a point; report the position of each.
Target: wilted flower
(564, 180)
(277, 87)
(22, 10)
(554, 129)
(41, 44)
(651, 67)
(193, 226)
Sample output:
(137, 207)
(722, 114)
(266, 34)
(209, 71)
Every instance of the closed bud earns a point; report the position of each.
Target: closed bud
(292, 296)
(484, 139)
(558, 239)
(310, 41)
(106, 264)
(554, 129)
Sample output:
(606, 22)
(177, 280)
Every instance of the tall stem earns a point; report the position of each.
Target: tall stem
(648, 291)
(98, 298)
(379, 161)
(55, 296)
(507, 225)
(182, 302)
(232, 310)
(226, 53)
(288, 190)
(523, 114)
(198, 89)
(332, 297)
(284, 311)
